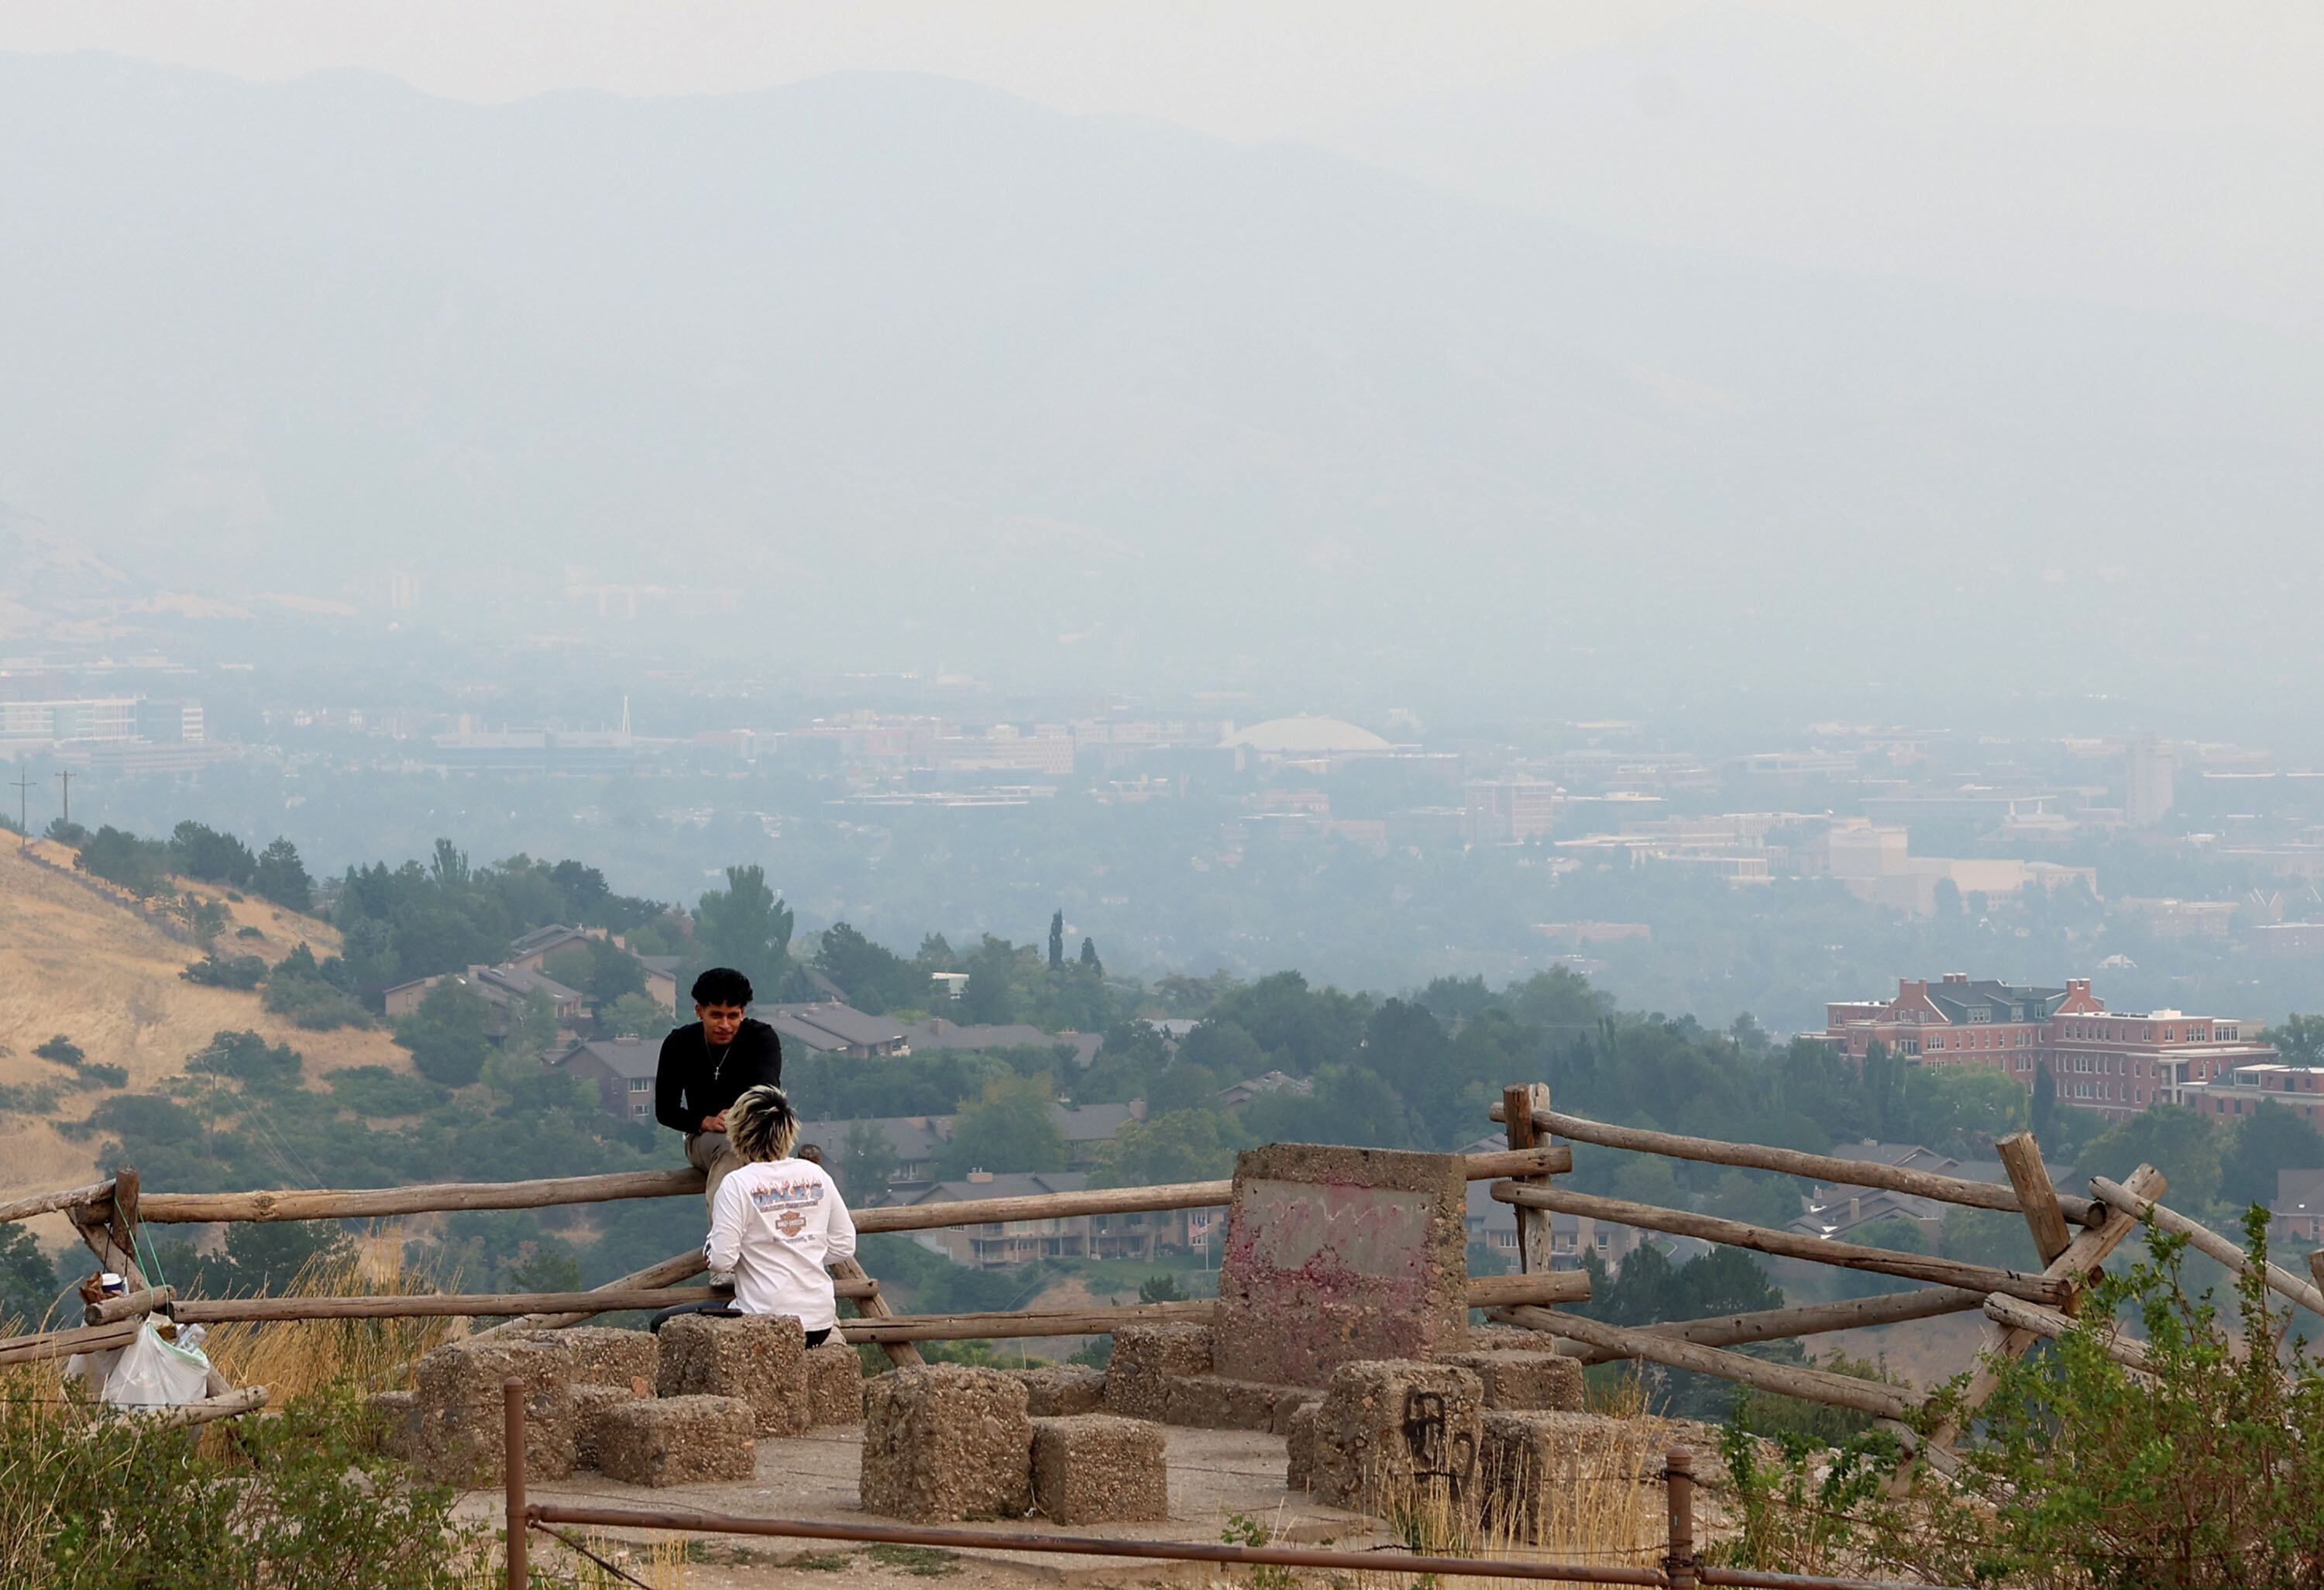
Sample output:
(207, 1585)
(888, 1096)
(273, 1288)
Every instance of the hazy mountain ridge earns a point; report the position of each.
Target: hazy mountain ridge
(916, 351)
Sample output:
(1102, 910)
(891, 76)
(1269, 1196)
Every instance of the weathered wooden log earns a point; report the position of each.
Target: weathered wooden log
(373, 1203)
(1817, 1385)
(1536, 1248)
(901, 1354)
(1808, 1319)
(1541, 1286)
(1788, 1244)
(2082, 1256)
(1132, 1200)
(456, 1305)
(2049, 1322)
(1076, 1322)
(669, 1272)
(105, 1228)
(229, 1405)
(1822, 1167)
(128, 1306)
(2203, 1239)
(64, 1344)
(1484, 1292)
(2029, 1178)
(50, 1202)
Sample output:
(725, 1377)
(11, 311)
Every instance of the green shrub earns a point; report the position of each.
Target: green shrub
(300, 1500)
(216, 971)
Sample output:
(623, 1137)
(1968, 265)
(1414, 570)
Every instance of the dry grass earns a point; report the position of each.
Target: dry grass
(662, 1561)
(291, 1357)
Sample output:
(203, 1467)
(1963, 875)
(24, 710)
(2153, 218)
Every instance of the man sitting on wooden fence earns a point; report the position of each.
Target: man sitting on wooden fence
(705, 1067)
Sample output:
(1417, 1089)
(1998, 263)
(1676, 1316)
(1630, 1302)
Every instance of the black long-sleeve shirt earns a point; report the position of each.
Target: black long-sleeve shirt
(692, 1080)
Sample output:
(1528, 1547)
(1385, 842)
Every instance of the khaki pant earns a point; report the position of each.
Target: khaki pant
(710, 1153)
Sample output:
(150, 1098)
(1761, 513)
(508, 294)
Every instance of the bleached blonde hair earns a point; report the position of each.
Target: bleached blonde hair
(761, 1124)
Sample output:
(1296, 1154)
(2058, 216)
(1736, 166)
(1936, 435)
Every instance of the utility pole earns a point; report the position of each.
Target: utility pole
(23, 783)
(65, 777)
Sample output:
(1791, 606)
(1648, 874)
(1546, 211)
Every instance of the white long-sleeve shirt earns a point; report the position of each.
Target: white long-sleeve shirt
(776, 1224)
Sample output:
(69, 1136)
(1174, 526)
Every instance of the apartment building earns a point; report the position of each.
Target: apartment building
(2116, 1062)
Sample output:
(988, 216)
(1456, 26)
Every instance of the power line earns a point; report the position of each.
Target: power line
(23, 783)
(65, 777)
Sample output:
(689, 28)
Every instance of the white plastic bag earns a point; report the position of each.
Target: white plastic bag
(155, 1374)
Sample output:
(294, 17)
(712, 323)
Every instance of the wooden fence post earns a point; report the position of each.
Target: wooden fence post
(108, 1225)
(1678, 1478)
(2084, 1253)
(513, 1478)
(2021, 1156)
(903, 1354)
(1519, 1102)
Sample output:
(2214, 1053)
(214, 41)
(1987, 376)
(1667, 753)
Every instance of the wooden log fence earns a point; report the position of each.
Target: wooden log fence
(49, 1203)
(2050, 1324)
(128, 1306)
(437, 1197)
(63, 1344)
(456, 1305)
(1789, 1245)
(2204, 1240)
(1804, 1319)
(1820, 1168)
(2072, 1235)
(1624, 1341)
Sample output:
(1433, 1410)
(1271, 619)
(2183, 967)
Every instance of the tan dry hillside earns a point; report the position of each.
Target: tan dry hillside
(80, 962)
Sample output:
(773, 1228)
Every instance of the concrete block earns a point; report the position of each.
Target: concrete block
(398, 1433)
(1148, 1360)
(589, 1404)
(946, 1442)
(1095, 1468)
(1299, 1448)
(1518, 1381)
(1062, 1390)
(600, 1355)
(835, 1384)
(677, 1440)
(1212, 1402)
(758, 1357)
(460, 1411)
(1337, 1255)
(1398, 1434)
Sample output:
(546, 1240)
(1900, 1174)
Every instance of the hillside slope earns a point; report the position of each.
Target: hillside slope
(75, 960)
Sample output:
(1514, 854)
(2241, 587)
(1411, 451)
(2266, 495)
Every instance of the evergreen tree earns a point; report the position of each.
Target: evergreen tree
(1089, 958)
(282, 877)
(1057, 942)
(446, 1035)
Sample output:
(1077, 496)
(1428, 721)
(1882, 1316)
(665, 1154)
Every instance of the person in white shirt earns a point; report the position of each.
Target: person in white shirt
(777, 1223)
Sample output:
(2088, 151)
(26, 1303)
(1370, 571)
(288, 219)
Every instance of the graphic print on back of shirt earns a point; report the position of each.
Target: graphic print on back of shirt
(785, 1206)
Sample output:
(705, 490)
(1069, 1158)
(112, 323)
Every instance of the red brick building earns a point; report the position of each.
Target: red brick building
(2114, 1062)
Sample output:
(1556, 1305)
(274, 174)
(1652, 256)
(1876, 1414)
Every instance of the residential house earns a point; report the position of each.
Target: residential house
(828, 1027)
(1236, 1094)
(1570, 1236)
(623, 1068)
(502, 987)
(995, 1244)
(939, 1033)
(916, 1140)
(1837, 1210)
(530, 950)
(2299, 1207)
